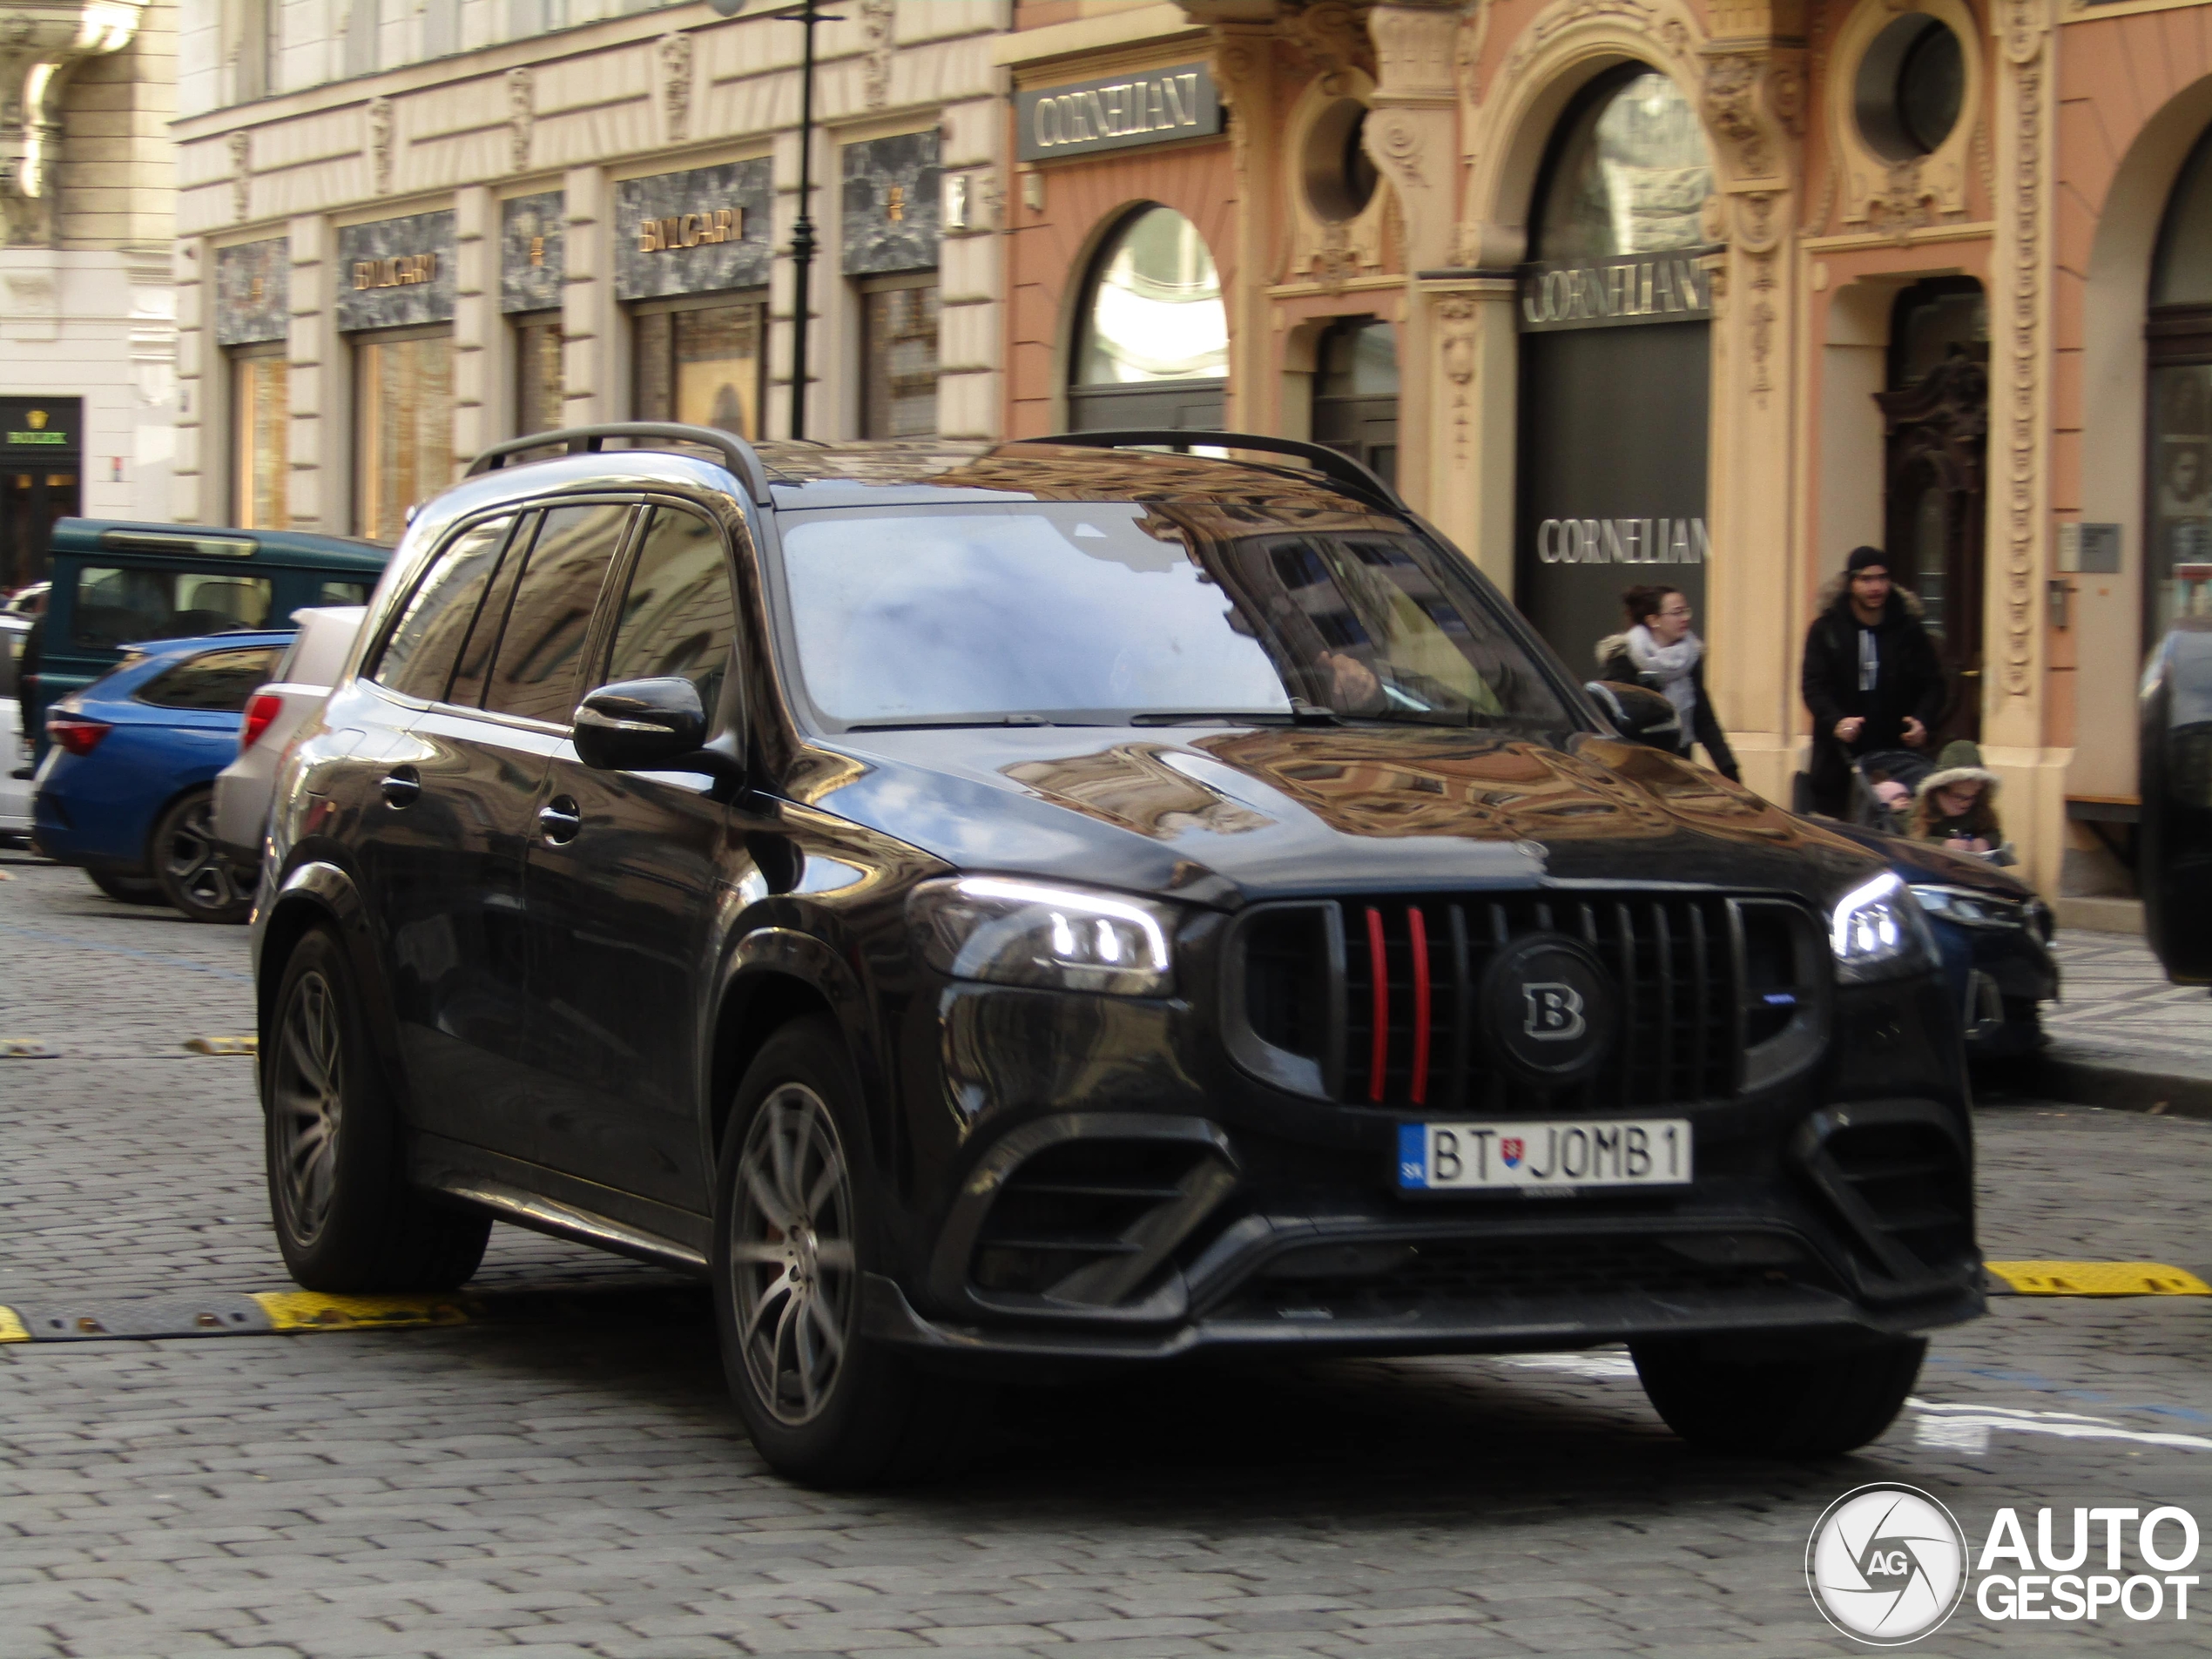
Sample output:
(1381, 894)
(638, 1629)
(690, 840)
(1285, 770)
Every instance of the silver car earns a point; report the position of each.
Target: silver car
(273, 715)
(15, 743)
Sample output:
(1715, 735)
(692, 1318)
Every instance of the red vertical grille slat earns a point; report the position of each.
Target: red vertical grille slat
(1417, 924)
(1379, 963)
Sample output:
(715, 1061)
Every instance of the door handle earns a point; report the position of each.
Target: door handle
(403, 786)
(559, 819)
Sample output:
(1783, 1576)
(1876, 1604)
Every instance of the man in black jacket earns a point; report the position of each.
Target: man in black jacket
(1871, 678)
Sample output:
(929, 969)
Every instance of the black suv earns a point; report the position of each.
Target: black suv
(995, 911)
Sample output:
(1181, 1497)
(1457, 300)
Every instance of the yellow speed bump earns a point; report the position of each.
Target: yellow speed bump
(21, 1048)
(11, 1327)
(2099, 1278)
(224, 1045)
(307, 1311)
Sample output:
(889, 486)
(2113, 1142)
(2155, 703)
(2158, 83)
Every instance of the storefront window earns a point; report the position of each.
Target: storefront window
(1152, 349)
(405, 441)
(537, 372)
(899, 358)
(701, 365)
(261, 422)
(1355, 391)
(1630, 176)
(2178, 469)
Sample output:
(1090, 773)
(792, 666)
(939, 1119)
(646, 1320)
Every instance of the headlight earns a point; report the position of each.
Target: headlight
(1877, 932)
(1966, 905)
(1025, 933)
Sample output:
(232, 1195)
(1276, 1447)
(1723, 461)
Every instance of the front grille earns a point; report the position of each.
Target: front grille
(1379, 1280)
(1913, 1180)
(1372, 1001)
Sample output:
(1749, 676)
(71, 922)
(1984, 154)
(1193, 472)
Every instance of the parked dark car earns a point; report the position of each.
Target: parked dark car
(1066, 906)
(117, 584)
(126, 791)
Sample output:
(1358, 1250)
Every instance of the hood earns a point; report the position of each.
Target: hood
(1832, 598)
(1229, 816)
(1989, 781)
(1927, 861)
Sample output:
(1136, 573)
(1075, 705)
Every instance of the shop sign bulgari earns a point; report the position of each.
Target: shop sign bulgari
(1117, 112)
(1607, 293)
(697, 232)
(394, 273)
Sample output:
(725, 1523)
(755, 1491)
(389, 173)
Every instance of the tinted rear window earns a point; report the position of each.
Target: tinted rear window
(117, 605)
(220, 680)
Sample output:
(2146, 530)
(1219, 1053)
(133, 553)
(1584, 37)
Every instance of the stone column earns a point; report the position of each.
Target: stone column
(197, 494)
(594, 359)
(971, 399)
(1411, 135)
(1244, 69)
(478, 419)
(1470, 363)
(2016, 561)
(1754, 103)
(322, 475)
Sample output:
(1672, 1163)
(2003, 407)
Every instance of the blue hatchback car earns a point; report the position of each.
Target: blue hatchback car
(126, 789)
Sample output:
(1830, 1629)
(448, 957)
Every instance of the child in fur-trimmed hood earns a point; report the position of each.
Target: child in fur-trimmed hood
(1956, 804)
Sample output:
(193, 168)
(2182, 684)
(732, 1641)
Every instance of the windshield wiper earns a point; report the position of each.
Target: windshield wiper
(959, 722)
(1194, 717)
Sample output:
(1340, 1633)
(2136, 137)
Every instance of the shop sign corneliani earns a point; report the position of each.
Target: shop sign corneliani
(395, 272)
(1607, 293)
(1117, 112)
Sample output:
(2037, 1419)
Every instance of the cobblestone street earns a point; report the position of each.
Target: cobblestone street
(580, 1486)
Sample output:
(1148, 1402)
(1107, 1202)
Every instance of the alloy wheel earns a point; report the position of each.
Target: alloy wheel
(308, 1105)
(196, 869)
(792, 1259)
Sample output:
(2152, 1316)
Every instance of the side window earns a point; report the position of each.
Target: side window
(418, 658)
(120, 606)
(541, 651)
(679, 617)
(220, 680)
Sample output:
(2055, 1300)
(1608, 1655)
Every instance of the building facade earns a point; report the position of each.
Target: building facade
(1704, 293)
(87, 310)
(408, 231)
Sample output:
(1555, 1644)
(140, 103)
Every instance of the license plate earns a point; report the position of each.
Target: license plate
(1556, 1155)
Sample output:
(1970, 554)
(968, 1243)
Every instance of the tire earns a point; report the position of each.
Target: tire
(796, 1229)
(194, 876)
(1827, 1403)
(345, 1217)
(128, 889)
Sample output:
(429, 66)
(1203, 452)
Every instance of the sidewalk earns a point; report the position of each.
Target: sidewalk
(2121, 1035)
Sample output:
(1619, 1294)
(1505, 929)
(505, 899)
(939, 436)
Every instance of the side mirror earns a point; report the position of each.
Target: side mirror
(2174, 839)
(641, 726)
(1638, 713)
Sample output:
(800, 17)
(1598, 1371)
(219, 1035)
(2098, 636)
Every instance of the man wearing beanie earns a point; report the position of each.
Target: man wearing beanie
(1870, 675)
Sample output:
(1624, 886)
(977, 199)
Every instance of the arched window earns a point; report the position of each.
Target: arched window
(1630, 175)
(1151, 345)
(2178, 467)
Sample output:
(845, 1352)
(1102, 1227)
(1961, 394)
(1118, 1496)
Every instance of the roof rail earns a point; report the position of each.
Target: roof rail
(739, 454)
(1334, 464)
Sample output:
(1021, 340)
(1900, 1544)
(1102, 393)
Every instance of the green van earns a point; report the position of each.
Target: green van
(116, 584)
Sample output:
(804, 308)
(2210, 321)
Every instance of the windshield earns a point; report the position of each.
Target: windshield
(1117, 612)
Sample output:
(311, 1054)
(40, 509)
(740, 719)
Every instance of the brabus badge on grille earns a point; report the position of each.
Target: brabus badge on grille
(1548, 1009)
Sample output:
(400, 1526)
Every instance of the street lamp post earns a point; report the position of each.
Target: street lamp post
(807, 12)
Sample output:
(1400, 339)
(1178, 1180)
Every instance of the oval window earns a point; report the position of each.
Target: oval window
(1910, 86)
(1630, 173)
(1154, 312)
(1339, 178)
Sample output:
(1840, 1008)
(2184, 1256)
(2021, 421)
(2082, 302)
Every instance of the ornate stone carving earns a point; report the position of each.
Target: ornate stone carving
(40, 49)
(380, 138)
(1455, 316)
(2024, 26)
(1755, 102)
(1651, 21)
(1905, 202)
(675, 85)
(522, 117)
(241, 148)
(1396, 142)
(878, 19)
(1331, 35)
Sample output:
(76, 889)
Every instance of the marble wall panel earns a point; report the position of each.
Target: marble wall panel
(253, 292)
(893, 204)
(394, 273)
(533, 252)
(708, 254)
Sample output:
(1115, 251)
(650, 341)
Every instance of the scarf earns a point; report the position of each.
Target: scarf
(1670, 667)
